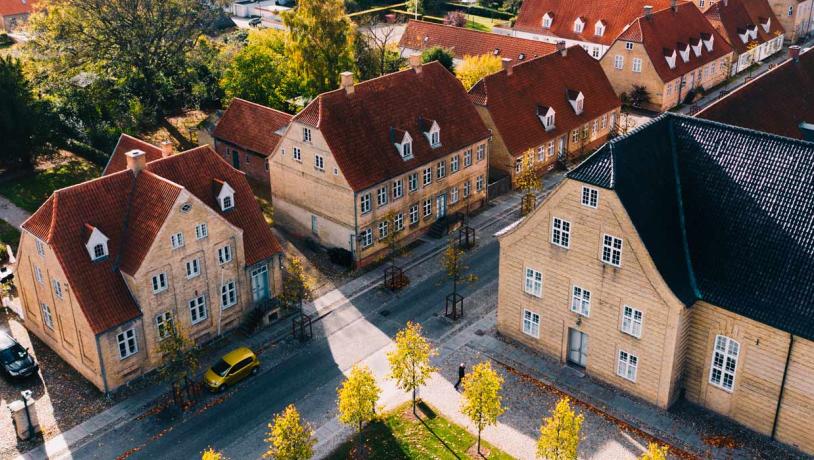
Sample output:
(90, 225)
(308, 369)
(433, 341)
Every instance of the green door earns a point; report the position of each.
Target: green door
(235, 159)
(260, 283)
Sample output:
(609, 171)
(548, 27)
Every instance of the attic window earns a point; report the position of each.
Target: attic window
(670, 57)
(684, 51)
(743, 34)
(403, 145)
(579, 25)
(599, 29)
(496, 51)
(186, 207)
(97, 244)
(521, 56)
(696, 46)
(708, 40)
(577, 100)
(432, 131)
(548, 18)
(547, 117)
(752, 31)
(766, 23)
(226, 197)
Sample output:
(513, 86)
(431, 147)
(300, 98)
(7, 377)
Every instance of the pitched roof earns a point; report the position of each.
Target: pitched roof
(357, 127)
(251, 126)
(130, 209)
(732, 17)
(15, 7)
(467, 42)
(118, 162)
(726, 213)
(783, 98)
(513, 100)
(673, 29)
(615, 14)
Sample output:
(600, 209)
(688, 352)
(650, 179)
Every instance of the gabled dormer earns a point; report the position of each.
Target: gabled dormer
(225, 195)
(708, 40)
(599, 28)
(577, 100)
(743, 34)
(670, 57)
(547, 117)
(96, 244)
(548, 19)
(695, 44)
(766, 23)
(752, 31)
(579, 25)
(431, 130)
(403, 142)
(684, 51)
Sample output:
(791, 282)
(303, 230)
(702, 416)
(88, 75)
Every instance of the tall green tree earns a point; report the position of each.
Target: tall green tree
(26, 122)
(559, 434)
(410, 362)
(481, 397)
(180, 358)
(440, 54)
(357, 398)
(320, 43)
(289, 437)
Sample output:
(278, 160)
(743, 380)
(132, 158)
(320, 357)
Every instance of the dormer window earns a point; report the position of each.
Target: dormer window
(766, 23)
(743, 34)
(708, 40)
(496, 51)
(752, 31)
(226, 197)
(684, 51)
(403, 143)
(548, 19)
(695, 43)
(96, 244)
(599, 28)
(547, 117)
(670, 57)
(579, 25)
(432, 131)
(577, 100)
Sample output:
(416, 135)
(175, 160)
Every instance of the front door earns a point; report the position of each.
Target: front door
(441, 201)
(260, 283)
(577, 347)
(235, 159)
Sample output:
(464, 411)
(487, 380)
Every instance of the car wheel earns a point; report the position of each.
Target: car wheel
(255, 370)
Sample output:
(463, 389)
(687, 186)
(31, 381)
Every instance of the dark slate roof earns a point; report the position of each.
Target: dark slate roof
(726, 213)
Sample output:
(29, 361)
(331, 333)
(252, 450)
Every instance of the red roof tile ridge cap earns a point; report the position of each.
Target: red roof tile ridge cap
(90, 181)
(149, 173)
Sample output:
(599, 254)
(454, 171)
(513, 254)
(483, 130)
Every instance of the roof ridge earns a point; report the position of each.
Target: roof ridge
(271, 109)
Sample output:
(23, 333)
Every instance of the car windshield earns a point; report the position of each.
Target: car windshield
(221, 368)
(13, 353)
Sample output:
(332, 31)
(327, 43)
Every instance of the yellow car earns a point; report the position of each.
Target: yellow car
(234, 367)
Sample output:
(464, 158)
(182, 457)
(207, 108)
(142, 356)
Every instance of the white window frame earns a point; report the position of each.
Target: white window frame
(40, 247)
(159, 282)
(398, 189)
(629, 46)
(414, 214)
(201, 231)
(627, 365)
(365, 203)
(384, 229)
(533, 282)
(319, 162)
(163, 321)
(454, 164)
(366, 238)
(560, 232)
(481, 153)
(467, 188)
(580, 301)
(57, 288)
(412, 182)
(427, 176)
(228, 294)
(609, 249)
(306, 134)
(177, 240)
(453, 195)
(224, 254)
(479, 184)
(618, 62)
(193, 268)
(38, 275)
(47, 315)
(441, 169)
(128, 345)
(381, 196)
(632, 321)
(531, 323)
(297, 154)
(637, 65)
(398, 222)
(590, 197)
(197, 309)
(428, 207)
(467, 158)
(728, 350)
(97, 254)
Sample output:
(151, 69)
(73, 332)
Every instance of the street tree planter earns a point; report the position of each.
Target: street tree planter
(394, 278)
(455, 306)
(302, 327)
(466, 237)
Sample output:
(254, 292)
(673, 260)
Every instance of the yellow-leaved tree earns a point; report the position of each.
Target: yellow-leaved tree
(289, 437)
(410, 362)
(473, 68)
(357, 400)
(481, 397)
(655, 451)
(528, 181)
(212, 454)
(559, 434)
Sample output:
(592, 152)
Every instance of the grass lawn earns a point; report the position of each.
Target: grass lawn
(9, 234)
(398, 435)
(31, 191)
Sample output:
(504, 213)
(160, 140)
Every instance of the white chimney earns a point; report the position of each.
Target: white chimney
(346, 82)
(415, 62)
(648, 11)
(507, 65)
(562, 48)
(136, 160)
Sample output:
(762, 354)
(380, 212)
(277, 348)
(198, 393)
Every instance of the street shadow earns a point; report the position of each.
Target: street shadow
(379, 440)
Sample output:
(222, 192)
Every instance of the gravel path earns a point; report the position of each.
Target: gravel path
(11, 213)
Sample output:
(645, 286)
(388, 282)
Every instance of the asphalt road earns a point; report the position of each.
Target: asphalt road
(307, 376)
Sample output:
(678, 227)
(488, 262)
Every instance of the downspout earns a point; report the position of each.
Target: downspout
(355, 239)
(102, 366)
(782, 387)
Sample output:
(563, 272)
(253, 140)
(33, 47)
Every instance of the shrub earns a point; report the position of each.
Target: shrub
(455, 18)
(341, 257)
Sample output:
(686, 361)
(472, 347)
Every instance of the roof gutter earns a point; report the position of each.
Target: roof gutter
(782, 388)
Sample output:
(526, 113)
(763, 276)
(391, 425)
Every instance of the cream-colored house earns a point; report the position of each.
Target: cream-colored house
(677, 258)
(796, 16)
(409, 142)
(106, 266)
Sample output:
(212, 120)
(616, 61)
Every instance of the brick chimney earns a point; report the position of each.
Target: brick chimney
(674, 5)
(794, 52)
(415, 62)
(507, 65)
(136, 160)
(346, 82)
(648, 11)
(561, 48)
(166, 149)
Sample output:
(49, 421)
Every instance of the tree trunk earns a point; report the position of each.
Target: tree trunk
(361, 442)
(478, 440)
(414, 402)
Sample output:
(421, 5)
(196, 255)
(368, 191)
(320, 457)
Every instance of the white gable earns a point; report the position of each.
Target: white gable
(767, 25)
(710, 42)
(405, 147)
(697, 48)
(97, 239)
(671, 59)
(226, 197)
(435, 131)
(599, 28)
(685, 54)
(578, 103)
(548, 118)
(547, 21)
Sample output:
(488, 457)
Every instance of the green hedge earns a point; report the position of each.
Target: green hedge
(481, 11)
(88, 152)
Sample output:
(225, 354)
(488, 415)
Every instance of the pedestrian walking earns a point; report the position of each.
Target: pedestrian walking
(461, 373)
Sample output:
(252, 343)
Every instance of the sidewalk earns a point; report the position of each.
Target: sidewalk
(11, 213)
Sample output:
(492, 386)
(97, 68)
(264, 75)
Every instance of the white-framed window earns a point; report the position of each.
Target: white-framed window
(407, 150)
(518, 165)
(547, 20)
(128, 345)
(398, 222)
(724, 362)
(435, 138)
(590, 197)
(628, 46)
(427, 176)
(578, 26)
(40, 247)
(481, 152)
(550, 149)
(637, 65)
(467, 158)
(604, 121)
(228, 294)
(534, 282)
(467, 187)
(581, 301)
(319, 162)
(163, 324)
(306, 134)
(47, 317)
(227, 203)
(99, 251)
(381, 196)
(540, 154)
(413, 214)
(441, 169)
(383, 229)
(595, 51)
(427, 207)
(366, 237)
(364, 203)
(612, 250)
(790, 11)
(412, 182)
(197, 309)
(561, 232)
(454, 164)
(193, 268)
(57, 288)
(38, 274)
(314, 225)
(224, 254)
(599, 29)
(619, 62)
(201, 231)
(398, 189)
(479, 184)
(453, 195)
(297, 153)
(177, 240)
(626, 367)
(632, 320)
(159, 282)
(531, 323)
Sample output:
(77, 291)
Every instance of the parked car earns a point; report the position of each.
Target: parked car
(16, 361)
(232, 368)
(254, 22)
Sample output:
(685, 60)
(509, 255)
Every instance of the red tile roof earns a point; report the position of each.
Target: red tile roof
(513, 100)
(673, 29)
(615, 14)
(419, 35)
(775, 102)
(357, 127)
(118, 162)
(734, 17)
(16, 7)
(251, 126)
(130, 210)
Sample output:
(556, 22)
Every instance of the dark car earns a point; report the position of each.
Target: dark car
(15, 359)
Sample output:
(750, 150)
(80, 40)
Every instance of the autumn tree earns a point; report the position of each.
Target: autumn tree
(212, 454)
(559, 434)
(357, 398)
(655, 452)
(453, 264)
(289, 437)
(320, 43)
(638, 97)
(376, 50)
(440, 54)
(481, 401)
(410, 362)
(180, 358)
(455, 18)
(473, 68)
(297, 284)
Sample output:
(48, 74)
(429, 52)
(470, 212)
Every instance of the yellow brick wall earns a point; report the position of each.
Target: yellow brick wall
(794, 421)
(794, 25)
